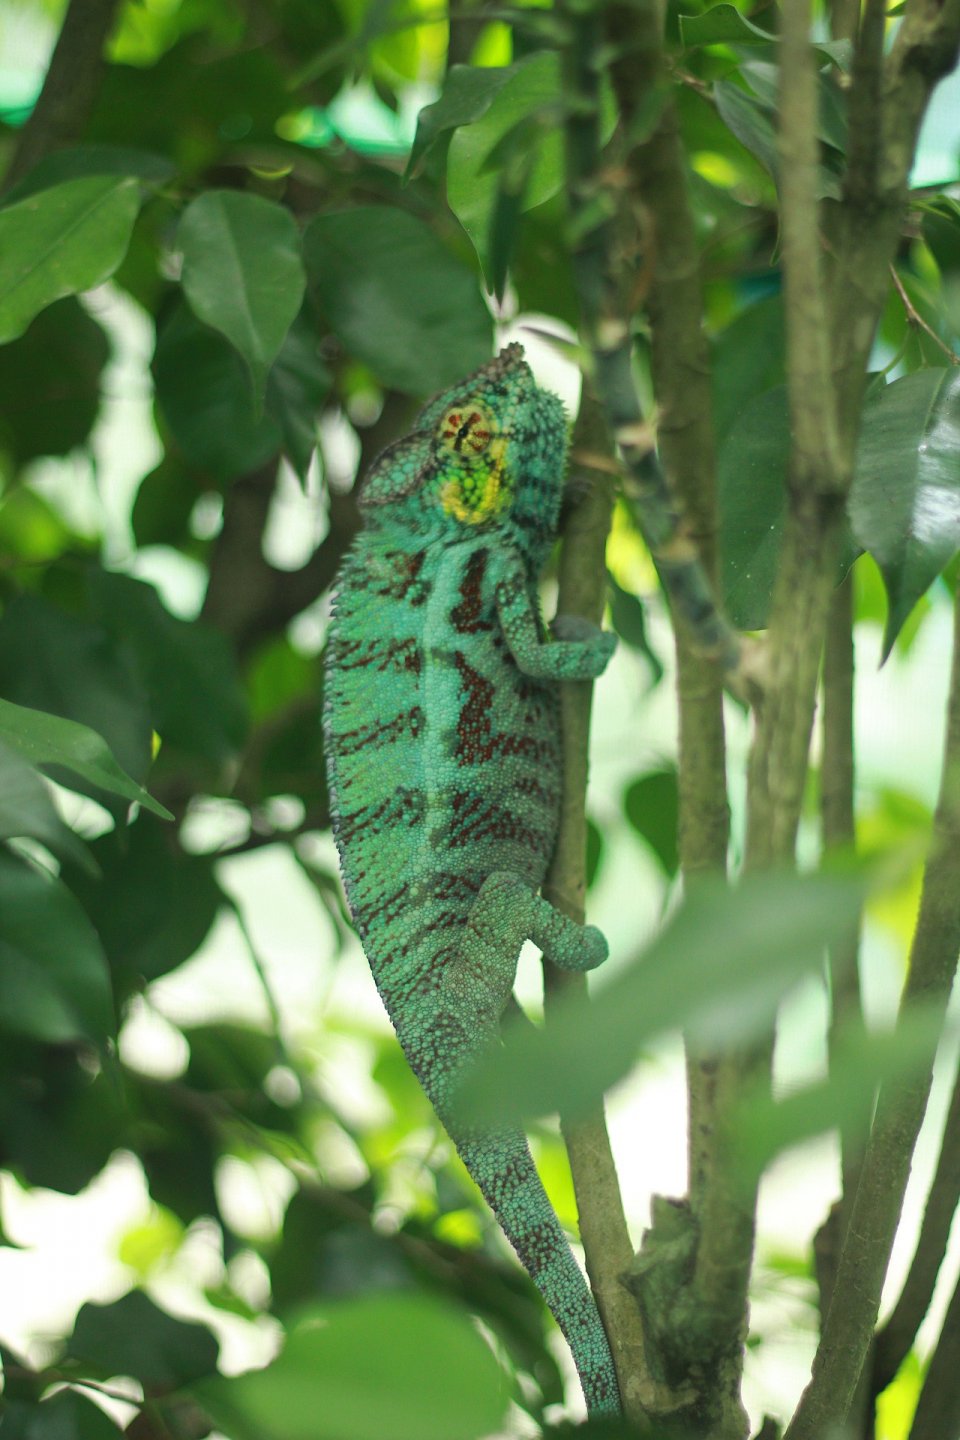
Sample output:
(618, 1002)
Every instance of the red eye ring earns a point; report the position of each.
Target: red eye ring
(469, 431)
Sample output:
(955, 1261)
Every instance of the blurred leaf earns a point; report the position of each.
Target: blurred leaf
(26, 810)
(397, 298)
(68, 238)
(242, 272)
(371, 1367)
(31, 530)
(726, 25)
(905, 502)
(652, 805)
(630, 622)
(50, 383)
(67, 1415)
(468, 92)
(751, 480)
(49, 740)
(84, 160)
(204, 394)
(594, 856)
(164, 504)
(297, 386)
(747, 360)
(860, 1061)
(749, 121)
(59, 1122)
(54, 982)
(134, 1337)
(154, 905)
(718, 971)
(188, 668)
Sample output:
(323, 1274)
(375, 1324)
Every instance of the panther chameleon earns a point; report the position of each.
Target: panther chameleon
(441, 723)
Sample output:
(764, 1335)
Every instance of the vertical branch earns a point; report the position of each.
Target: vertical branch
(938, 1409)
(70, 88)
(848, 1330)
(603, 1227)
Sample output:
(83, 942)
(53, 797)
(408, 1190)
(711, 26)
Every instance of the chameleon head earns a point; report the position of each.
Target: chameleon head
(488, 452)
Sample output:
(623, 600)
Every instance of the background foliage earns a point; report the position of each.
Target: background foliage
(310, 208)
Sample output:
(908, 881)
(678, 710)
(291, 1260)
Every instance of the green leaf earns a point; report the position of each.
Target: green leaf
(62, 240)
(397, 298)
(67, 1415)
(297, 386)
(533, 85)
(153, 906)
(45, 739)
(468, 92)
(84, 160)
(751, 482)
(367, 1368)
(188, 668)
(752, 122)
(718, 971)
(54, 982)
(134, 1337)
(242, 272)
(747, 359)
(905, 503)
(652, 805)
(630, 622)
(50, 383)
(726, 25)
(164, 503)
(27, 811)
(204, 395)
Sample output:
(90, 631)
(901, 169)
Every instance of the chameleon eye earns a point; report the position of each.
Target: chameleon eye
(467, 429)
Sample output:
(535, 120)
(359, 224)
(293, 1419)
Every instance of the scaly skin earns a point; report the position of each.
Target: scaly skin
(443, 752)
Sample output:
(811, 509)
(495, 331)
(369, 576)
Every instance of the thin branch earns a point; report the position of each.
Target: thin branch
(70, 88)
(938, 1409)
(848, 1331)
(603, 1227)
(899, 1332)
(916, 320)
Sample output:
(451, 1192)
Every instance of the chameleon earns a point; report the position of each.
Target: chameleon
(441, 725)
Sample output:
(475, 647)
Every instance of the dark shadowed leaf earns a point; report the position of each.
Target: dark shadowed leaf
(26, 810)
(651, 804)
(719, 971)
(50, 383)
(905, 502)
(397, 297)
(204, 394)
(747, 359)
(65, 745)
(297, 386)
(752, 492)
(54, 662)
(67, 1415)
(164, 503)
(54, 982)
(367, 1368)
(188, 668)
(630, 622)
(68, 238)
(242, 272)
(85, 160)
(134, 1337)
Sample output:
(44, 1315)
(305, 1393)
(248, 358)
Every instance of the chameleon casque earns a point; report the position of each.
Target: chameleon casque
(443, 752)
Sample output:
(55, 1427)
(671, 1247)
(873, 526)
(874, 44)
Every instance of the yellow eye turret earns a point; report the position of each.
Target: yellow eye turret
(475, 488)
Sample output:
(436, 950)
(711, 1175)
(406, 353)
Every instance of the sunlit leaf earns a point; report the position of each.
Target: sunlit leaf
(62, 240)
(242, 272)
(905, 502)
(54, 982)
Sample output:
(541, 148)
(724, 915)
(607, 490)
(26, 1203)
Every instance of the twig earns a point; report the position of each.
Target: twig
(897, 1335)
(70, 88)
(848, 1331)
(938, 1409)
(916, 320)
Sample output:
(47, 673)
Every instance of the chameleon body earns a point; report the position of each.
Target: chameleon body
(442, 738)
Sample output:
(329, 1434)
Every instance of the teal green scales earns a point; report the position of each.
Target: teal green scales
(442, 738)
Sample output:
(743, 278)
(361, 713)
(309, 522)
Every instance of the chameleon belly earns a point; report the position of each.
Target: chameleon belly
(442, 739)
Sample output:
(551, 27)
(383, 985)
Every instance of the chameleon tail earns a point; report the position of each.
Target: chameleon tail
(503, 1169)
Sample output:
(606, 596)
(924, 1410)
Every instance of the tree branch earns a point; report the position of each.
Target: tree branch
(70, 88)
(899, 1332)
(938, 1409)
(848, 1330)
(603, 1228)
